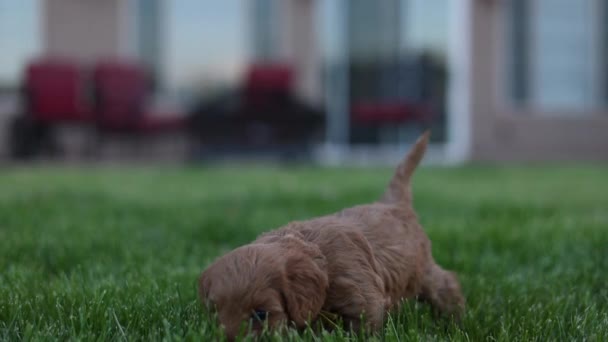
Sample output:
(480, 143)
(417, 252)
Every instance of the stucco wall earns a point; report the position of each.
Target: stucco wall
(523, 136)
(84, 29)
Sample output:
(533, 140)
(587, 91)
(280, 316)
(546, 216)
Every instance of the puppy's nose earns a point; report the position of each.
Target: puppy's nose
(230, 333)
(230, 336)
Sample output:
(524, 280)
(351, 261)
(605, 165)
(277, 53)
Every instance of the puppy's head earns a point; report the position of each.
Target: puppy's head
(283, 280)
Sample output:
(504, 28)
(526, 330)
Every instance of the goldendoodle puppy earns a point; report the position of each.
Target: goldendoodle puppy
(358, 263)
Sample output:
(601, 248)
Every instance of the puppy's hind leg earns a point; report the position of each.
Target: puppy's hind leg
(441, 289)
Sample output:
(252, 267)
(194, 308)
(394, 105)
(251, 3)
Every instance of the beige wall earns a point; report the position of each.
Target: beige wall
(298, 45)
(524, 136)
(84, 29)
(501, 133)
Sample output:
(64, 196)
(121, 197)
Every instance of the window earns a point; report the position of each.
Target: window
(206, 43)
(19, 38)
(556, 55)
(265, 37)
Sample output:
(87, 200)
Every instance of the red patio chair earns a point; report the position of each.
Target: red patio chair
(55, 92)
(122, 92)
(267, 84)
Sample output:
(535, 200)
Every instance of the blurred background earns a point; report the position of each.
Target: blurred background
(325, 81)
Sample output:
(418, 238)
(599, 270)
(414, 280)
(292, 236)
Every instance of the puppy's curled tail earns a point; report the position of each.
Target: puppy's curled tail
(400, 188)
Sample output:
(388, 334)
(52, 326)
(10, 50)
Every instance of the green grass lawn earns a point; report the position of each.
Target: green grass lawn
(115, 253)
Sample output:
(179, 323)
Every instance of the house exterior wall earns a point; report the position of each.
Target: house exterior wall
(500, 131)
(85, 30)
(524, 136)
(90, 30)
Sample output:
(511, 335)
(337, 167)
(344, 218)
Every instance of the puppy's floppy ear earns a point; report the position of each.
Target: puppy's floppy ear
(305, 279)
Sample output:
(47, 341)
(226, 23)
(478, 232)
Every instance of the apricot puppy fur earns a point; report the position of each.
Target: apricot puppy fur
(360, 262)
